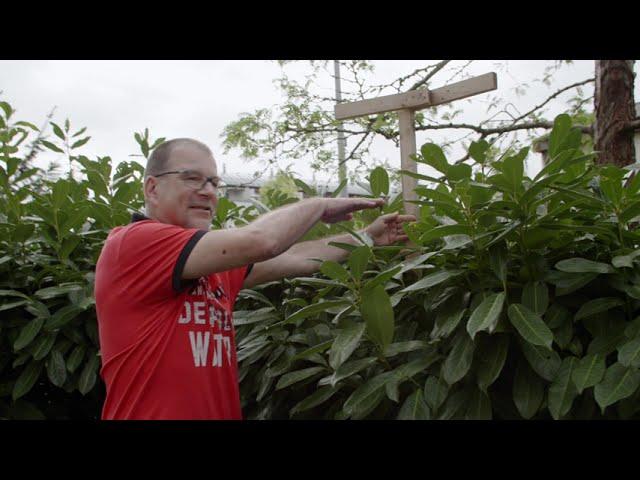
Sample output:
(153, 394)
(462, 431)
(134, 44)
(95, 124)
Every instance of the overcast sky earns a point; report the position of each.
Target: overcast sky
(199, 98)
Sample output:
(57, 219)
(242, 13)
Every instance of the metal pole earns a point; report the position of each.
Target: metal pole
(342, 167)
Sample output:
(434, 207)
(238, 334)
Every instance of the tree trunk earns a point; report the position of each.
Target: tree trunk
(614, 109)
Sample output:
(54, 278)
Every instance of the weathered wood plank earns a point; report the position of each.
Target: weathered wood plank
(418, 99)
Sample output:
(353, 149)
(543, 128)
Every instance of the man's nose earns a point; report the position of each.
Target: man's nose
(209, 189)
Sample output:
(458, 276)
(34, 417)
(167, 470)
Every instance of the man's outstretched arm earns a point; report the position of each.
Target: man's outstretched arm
(268, 236)
(297, 261)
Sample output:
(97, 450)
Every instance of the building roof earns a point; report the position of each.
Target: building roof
(244, 180)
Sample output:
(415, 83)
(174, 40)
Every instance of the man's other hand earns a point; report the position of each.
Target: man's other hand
(387, 229)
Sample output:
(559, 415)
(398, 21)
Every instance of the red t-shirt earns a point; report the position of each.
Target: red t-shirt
(168, 346)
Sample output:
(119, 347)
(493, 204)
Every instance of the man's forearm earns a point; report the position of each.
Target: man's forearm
(320, 249)
(284, 226)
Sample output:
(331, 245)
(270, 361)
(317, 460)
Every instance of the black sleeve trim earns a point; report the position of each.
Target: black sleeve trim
(248, 270)
(178, 284)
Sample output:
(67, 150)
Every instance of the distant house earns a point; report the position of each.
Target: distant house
(242, 188)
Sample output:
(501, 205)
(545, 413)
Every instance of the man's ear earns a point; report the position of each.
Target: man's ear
(150, 190)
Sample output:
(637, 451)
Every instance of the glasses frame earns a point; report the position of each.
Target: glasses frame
(206, 179)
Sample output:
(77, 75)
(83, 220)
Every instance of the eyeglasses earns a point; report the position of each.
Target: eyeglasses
(192, 179)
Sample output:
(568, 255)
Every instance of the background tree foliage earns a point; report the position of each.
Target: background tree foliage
(303, 125)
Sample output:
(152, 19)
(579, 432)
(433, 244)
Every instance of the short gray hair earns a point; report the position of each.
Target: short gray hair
(160, 156)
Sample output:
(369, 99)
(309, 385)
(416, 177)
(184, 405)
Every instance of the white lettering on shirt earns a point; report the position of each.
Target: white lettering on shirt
(199, 348)
(187, 314)
(217, 350)
(198, 313)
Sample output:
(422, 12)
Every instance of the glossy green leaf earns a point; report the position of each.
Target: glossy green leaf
(619, 382)
(560, 131)
(485, 316)
(10, 305)
(478, 150)
(13, 293)
(27, 379)
(444, 231)
(621, 261)
(583, 265)
(446, 322)
(528, 391)
(530, 326)
(51, 292)
(297, 376)
(629, 353)
(588, 372)
(334, 271)
(366, 397)
(436, 391)
(358, 260)
(543, 361)
(28, 333)
(562, 391)
(56, 369)
(492, 354)
(498, 261)
(433, 155)
(432, 280)
(459, 172)
(535, 296)
(75, 358)
(479, 406)
(404, 347)
(344, 344)
(383, 277)
(414, 408)
(378, 314)
(314, 309)
(379, 182)
(556, 316)
(351, 368)
(88, 375)
(316, 398)
(598, 305)
(42, 346)
(458, 363)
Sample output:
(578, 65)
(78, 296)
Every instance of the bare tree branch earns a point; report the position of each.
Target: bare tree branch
(491, 131)
(552, 97)
(436, 69)
(632, 125)
(353, 151)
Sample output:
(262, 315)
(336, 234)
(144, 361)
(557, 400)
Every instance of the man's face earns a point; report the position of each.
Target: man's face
(180, 199)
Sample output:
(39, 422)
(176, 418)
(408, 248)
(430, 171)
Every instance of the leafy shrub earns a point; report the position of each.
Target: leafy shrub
(51, 235)
(519, 300)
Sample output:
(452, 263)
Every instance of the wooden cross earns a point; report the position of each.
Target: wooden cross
(406, 104)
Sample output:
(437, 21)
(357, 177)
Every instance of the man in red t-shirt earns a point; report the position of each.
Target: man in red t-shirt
(166, 284)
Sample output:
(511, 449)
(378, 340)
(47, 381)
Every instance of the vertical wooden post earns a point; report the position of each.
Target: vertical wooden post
(408, 148)
(406, 104)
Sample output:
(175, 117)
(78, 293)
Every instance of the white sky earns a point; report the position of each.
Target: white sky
(198, 99)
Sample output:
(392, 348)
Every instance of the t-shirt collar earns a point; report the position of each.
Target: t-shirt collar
(138, 217)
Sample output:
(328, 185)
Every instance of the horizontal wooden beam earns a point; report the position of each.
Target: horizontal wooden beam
(418, 99)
